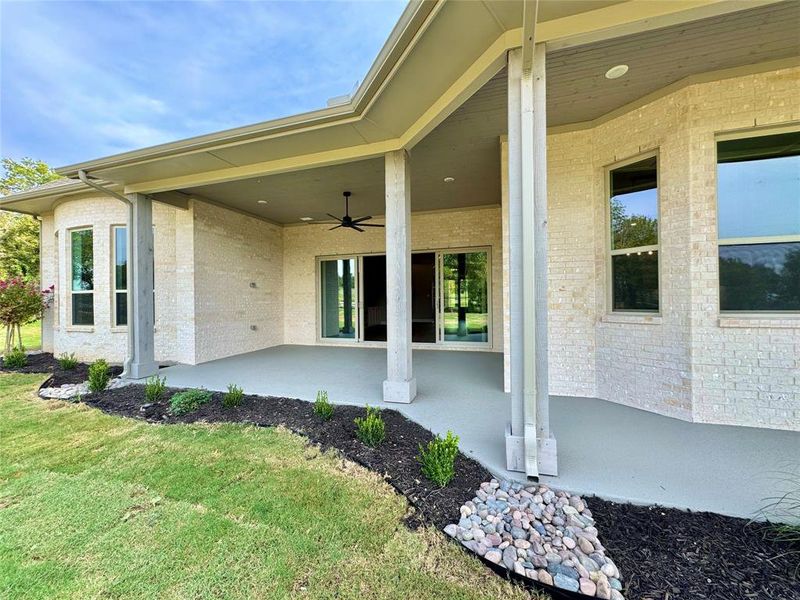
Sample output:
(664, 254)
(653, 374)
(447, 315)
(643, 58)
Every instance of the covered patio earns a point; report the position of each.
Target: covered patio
(606, 449)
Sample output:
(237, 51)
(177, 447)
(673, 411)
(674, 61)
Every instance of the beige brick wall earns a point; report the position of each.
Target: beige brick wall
(434, 230)
(103, 339)
(231, 252)
(687, 362)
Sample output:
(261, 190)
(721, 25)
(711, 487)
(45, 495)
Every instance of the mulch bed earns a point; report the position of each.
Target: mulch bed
(45, 362)
(663, 554)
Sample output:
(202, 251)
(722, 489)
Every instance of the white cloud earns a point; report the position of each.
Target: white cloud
(79, 80)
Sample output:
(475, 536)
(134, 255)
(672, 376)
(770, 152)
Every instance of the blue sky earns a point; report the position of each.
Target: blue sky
(80, 80)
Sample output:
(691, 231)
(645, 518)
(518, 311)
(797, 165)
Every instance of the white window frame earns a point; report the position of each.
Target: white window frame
(611, 252)
(71, 292)
(739, 241)
(113, 286)
(57, 283)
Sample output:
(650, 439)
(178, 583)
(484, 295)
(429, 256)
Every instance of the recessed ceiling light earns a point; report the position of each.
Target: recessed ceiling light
(306, 218)
(449, 179)
(616, 72)
(262, 201)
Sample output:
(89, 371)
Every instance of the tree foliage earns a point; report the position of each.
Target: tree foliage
(632, 231)
(21, 302)
(19, 234)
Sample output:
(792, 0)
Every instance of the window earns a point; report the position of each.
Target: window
(57, 280)
(758, 206)
(465, 297)
(633, 208)
(82, 277)
(120, 276)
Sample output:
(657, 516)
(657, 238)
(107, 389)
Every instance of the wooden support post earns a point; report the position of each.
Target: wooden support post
(400, 384)
(141, 360)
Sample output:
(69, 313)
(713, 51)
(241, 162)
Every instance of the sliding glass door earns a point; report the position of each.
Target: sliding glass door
(339, 298)
(465, 297)
(449, 297)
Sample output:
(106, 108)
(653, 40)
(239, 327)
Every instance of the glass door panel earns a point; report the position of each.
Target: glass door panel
(465, 301)
(423, 297)
(373, 275)
(339, 293)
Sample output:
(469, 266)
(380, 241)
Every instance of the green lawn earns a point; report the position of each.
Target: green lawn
(31, 336)
(98, 506)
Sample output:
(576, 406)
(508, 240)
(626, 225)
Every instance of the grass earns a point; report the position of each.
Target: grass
(31, 335)
(93, 505)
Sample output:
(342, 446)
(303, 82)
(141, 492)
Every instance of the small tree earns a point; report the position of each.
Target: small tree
(20, 303)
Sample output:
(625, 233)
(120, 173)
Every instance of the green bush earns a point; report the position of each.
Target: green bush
(188, 401)
(322, 408)
(371, 429)
(438, 459)
(99, 375)
(67, 362)
(233, 397)
(16, 359)
(154, 388)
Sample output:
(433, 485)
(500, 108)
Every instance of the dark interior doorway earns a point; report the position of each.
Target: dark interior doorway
(374, 278)
(423, 297)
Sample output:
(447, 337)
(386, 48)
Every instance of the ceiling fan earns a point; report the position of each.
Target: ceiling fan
(350, 222)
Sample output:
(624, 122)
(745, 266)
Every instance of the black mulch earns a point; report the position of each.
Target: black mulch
(45, 362)
(663, 554)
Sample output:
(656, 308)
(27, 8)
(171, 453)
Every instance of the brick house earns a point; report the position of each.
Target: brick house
(607, 194)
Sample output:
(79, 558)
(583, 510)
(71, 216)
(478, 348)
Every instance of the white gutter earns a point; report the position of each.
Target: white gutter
(84, 177)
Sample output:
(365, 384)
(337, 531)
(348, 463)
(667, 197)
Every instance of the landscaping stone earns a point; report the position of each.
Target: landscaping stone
(73, 390)
(545, 535)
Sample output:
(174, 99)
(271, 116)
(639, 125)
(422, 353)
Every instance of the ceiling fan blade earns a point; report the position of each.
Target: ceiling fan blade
(332, 217)
(337, 227)
(357, 228)
(360, 219)
(370, 225)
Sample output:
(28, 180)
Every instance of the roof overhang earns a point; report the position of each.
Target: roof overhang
(439, 54)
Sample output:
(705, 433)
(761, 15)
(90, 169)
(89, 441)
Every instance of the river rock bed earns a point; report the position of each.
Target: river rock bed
(69, 391)
(546, 535)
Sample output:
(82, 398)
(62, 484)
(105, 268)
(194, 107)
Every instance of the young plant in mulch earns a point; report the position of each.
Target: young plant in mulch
(154, 388)
(233, 397)
(188, 401)
(99, 375)
(67, 362)
(371, 429)
(438, 460)
(16, 359)
(783, 517)
(322, 407)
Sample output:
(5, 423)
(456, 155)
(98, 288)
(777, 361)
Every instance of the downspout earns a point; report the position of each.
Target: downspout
(84, 177)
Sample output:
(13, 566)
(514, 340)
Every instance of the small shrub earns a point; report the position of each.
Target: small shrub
(233, 397)
(371, 429)
(439, 458)
(188, 401)
(16, 359)
(154, 388)
(99, 375)
(67, 362)
(322, 408)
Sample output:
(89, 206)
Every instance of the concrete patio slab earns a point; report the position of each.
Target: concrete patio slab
(606, 449)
